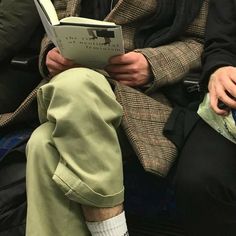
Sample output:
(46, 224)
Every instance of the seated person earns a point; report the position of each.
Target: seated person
(20, 33)
(206, 173)
(74, 160)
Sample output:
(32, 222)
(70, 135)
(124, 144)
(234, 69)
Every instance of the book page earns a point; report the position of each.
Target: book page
(88, 42)
(49, 28)
(89, 46)
(49, 11)
(86, 21)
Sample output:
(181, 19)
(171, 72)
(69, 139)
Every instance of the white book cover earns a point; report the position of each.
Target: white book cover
(86, 41)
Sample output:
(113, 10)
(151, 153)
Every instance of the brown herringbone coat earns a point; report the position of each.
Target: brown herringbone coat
(145, 114)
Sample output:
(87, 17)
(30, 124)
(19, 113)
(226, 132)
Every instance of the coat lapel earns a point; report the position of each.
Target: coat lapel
(121, 13)
(73, 7)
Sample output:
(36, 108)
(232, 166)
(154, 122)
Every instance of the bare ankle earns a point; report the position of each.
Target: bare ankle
(93, 214)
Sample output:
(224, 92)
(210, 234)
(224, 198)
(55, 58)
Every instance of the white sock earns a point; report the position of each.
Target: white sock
(115, 226)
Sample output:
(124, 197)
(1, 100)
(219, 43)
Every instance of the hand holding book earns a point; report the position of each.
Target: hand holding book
(85, 41)
(131, 69)
(56, 63)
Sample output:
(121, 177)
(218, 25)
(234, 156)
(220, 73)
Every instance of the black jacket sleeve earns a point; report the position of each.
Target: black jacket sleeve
(220, 44)
(18, 22)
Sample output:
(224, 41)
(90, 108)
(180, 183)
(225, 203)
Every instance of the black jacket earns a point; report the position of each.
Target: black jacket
(220, 44)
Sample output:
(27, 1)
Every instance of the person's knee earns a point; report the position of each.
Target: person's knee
(79, 91)
(78, 87)
(80, 82)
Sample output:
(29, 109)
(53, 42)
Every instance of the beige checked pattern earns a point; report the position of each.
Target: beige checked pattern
(145, 113)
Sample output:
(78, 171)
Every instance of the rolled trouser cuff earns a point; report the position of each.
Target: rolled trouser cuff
(76, 190)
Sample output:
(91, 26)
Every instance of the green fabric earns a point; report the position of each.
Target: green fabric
(45, 198)
(74, 156)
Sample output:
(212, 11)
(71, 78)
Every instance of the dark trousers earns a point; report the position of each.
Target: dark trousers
(15, 85)
(206, 183)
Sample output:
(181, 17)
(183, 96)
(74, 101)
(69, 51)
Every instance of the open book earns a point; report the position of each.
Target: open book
(86, 41)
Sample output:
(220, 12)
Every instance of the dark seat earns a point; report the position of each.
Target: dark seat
(150, 203)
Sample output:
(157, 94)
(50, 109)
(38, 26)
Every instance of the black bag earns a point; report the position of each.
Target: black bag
(12, 182)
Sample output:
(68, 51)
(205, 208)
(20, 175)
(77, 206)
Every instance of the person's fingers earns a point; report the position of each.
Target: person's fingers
(214, 103)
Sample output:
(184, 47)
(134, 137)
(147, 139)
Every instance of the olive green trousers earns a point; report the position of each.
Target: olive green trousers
(74, 156)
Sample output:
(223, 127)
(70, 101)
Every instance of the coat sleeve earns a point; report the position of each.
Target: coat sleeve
(18, 22)
(220, 45)
(171, 62)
